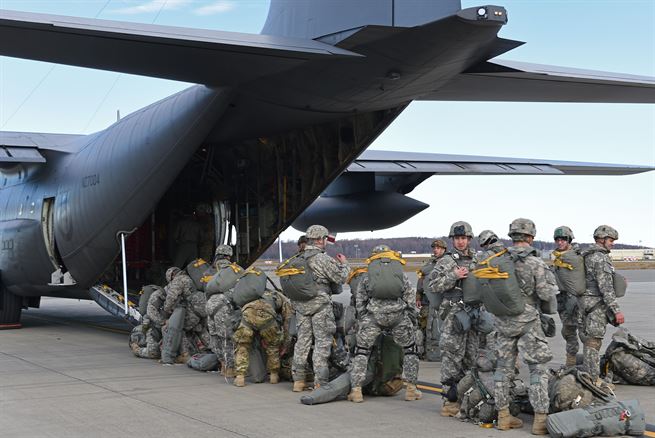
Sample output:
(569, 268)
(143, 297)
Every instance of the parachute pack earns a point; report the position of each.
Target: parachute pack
(223, 280)
(570, 271)
(145, 296)
(196, 270)
(614, 418)
(385, 275)
(250, 287)
(494, 283)
(629, 359)
(297, 278)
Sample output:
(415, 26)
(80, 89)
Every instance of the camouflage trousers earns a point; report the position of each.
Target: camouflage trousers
(401, 329)
(527, 338)
(196, 340)
(258, 321)
(567, 307)
(458, 350)
(220, 317)
(152, 347)
(594, 324)
(319, 327)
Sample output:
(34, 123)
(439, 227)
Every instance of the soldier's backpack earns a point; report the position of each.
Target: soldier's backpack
(196, 270)
(203, 362)
(385, 275)
(629, 359)
(570, 388)
(250, 287)
(296, 277)
(499, 288)
(223, 280)
(614, 418)
(145, 296)
(475, 390)
(570, 271)
(387, 365)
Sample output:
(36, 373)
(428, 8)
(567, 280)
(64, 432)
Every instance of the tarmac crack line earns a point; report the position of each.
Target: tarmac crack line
(163, 408)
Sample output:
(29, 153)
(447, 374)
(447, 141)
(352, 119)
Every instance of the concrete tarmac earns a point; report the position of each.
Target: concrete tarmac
(69, 373)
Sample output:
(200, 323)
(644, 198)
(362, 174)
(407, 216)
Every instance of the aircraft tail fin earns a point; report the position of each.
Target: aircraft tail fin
(317, 18)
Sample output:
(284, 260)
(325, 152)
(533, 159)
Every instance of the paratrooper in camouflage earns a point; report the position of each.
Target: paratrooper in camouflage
(429, 321)
(599, 299)
(397, 316)
(153, 322)
(265, 318)
(523, 333)
(458, 350)
(315, 317)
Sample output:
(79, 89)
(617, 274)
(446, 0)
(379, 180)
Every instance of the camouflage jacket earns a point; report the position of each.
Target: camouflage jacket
(155, 313)
(273, 303)
(424, 272)
(364, 303)
(326, 270)
(177, 292)
(600, 276)
(536, 280)
(443, 278)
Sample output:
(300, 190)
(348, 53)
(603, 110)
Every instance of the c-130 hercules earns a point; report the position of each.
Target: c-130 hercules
(276, 120)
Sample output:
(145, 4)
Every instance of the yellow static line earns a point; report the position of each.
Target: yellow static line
(429, 388)
(649, 433)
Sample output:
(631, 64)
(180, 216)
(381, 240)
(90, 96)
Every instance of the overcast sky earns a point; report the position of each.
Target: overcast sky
(616, 36)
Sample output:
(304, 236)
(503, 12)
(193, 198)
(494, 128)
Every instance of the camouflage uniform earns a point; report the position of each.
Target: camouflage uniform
(155, 318)
(178, 290)
(315, 318)
(377, 315)
(429, 321)
(196, 337)
(567, 307)
(458, 350)
(260, 317)
(524, 333)
(595, 303)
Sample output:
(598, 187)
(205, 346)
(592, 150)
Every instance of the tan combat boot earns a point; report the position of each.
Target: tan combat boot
(274, 378)
(135, 348)
(355, 395)
(539, 425)
(507, 421)
(412, 393)
(299, 386)
(183, 358)
(240, 381)
(571, 360)
(229, 372)
(449, 409)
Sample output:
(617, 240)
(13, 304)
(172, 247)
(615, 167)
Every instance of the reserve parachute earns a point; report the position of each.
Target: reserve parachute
(570, 271)
(250, 287)
(297, 278)
(385, 275)
(499, 289)
(620, 285)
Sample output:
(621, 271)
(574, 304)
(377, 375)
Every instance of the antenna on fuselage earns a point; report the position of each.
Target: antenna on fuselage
(118, 115)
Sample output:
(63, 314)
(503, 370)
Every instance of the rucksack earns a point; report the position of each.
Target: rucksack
(499, 288)
(223, 280)
(630, 359)
(296, 277)
(385, 275)
(570, 271)
(250, 287)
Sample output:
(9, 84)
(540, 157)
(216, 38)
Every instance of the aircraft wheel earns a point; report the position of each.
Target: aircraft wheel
(10, 309)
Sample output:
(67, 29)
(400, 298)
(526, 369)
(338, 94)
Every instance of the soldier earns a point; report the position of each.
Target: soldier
(458, 350)
(428, 317)
(315, 317)
(179, 289)
(196, 336)
(153, 321)
(262, 317)
(523, 333)
(221, 314)
(379, 310)
(302, 242)
(567, 303)
(599, 300)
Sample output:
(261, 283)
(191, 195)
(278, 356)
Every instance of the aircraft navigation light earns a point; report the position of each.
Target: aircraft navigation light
(482, 12)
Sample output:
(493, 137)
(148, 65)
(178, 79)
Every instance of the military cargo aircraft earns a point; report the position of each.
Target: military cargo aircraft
(276, 119)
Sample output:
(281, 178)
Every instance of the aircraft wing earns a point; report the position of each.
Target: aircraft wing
(189, 55)
(511, 81)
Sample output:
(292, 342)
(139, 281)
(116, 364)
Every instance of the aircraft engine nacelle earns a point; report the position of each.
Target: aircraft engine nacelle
(360, 212)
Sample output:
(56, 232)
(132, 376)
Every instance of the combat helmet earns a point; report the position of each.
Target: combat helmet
(379, 249)
(439, 243)
(171, 273)
(461, 228)
(522, 226)
(604, 231)
(317, 232)
(563, 232)
(223, 250)
(487, 237)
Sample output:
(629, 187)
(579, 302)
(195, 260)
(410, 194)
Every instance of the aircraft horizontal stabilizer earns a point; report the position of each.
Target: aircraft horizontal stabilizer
(189, 55)
(510, 81)
(392, 162)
